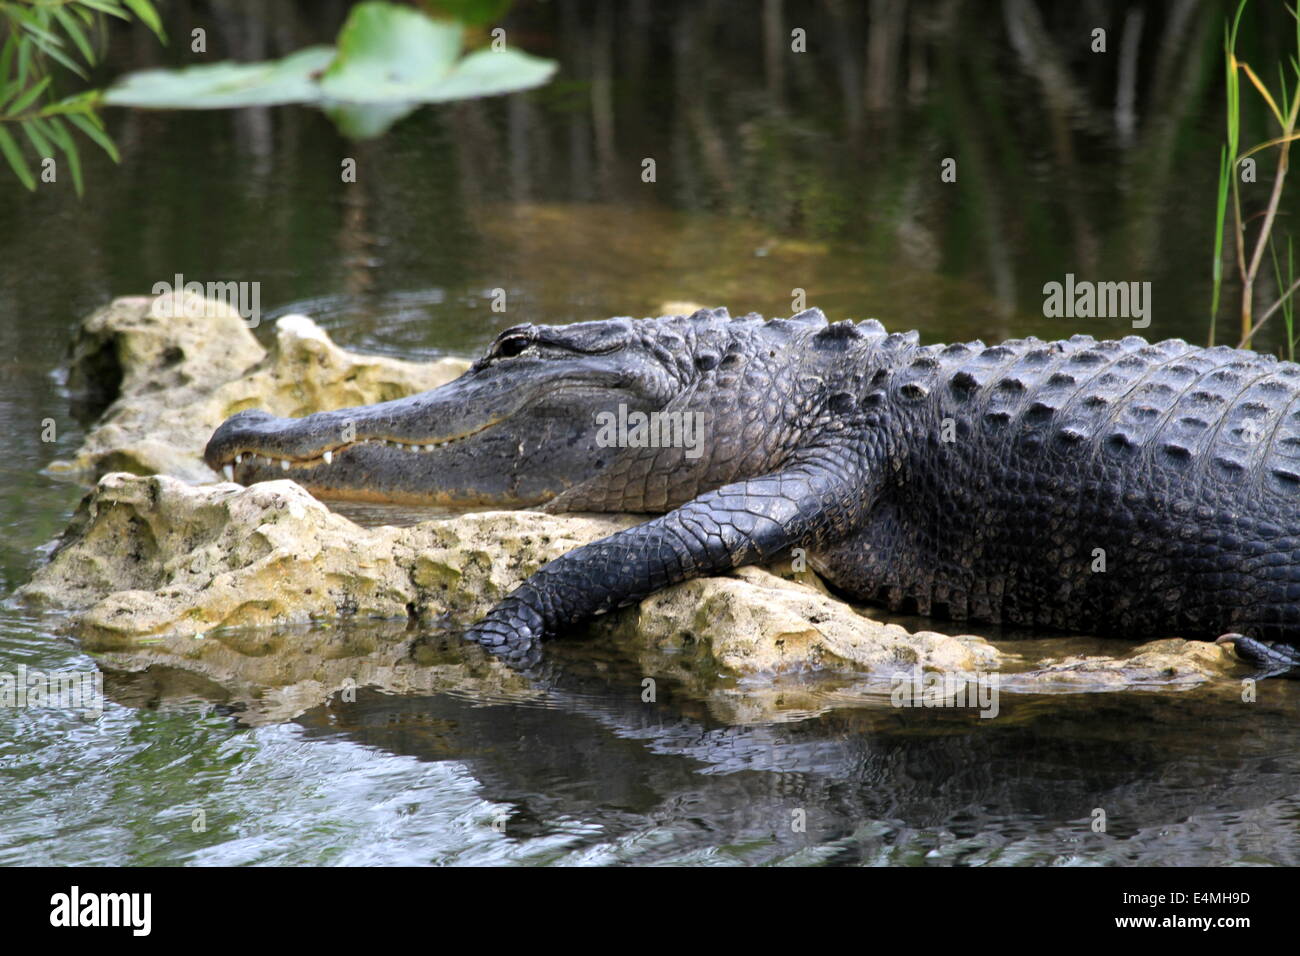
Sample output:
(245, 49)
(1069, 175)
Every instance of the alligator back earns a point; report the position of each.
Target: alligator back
(1116, 487)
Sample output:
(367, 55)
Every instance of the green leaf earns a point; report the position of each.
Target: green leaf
(16, 160)
(24, 62)
(390, 54)
(59, 133)
(54, 53)
(111, 7)
(73, 29)
(389, 58)
(42, 145)
(490, 72)
(368, 120)
(87, 101)
(225, 85)
(36, 27)
(97, 134)
(26, 97)
(395, 54)
(148, 16)
(7, 60)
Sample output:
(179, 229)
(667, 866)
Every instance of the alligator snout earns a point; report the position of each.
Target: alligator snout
(244, 429)
(282, 444)
(515, 430)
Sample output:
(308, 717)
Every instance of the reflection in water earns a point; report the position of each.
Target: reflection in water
(900, 787)
(945, 791)
(576, 755)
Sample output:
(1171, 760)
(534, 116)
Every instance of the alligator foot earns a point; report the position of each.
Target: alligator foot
(512, 631)
(1274, 660)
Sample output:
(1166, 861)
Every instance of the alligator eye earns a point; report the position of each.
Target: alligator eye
(512, 346)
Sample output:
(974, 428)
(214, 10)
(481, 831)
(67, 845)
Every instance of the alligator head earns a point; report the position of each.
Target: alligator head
(521, 427)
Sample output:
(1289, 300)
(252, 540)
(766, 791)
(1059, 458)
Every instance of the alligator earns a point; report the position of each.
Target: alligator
(1117, 487)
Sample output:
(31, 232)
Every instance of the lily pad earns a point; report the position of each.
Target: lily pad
(367, 120)
(489, 73)
(390, 54)
(226, 85)
(389, 59)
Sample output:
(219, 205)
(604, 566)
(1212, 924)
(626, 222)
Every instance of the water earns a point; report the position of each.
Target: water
(772, 176)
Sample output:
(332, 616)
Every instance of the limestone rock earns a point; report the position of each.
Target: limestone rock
(755, 621)
(170, 373)
(153, 557)
(1164, 663)
(147, 557)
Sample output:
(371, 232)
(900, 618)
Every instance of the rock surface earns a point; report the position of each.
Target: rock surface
(756, 622)
(170, 373)
(152, 557)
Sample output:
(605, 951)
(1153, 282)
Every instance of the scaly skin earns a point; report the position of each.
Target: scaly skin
(1110, 487)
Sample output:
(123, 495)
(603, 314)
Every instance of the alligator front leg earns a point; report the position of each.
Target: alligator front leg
(742, 523)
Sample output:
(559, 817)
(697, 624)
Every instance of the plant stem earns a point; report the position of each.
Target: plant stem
(1269, 314)
(1248, 281)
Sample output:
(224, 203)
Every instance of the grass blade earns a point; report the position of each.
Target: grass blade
(96, 133)
(17, 162)
(148, 16)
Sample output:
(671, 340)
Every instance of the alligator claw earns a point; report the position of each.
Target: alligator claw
(1275, 660)
(512, 631)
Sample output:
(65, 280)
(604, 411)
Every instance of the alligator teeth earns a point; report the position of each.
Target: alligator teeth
(239, 459)
(229, 472)
(328, 456)
(284, 465)
(428, 448)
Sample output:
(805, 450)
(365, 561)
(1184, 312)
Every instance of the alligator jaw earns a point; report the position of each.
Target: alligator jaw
(373, 454)
(251, 464)
(240, 463)
(505, 434)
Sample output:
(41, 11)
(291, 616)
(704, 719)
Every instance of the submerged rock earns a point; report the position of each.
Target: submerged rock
(167, 371)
